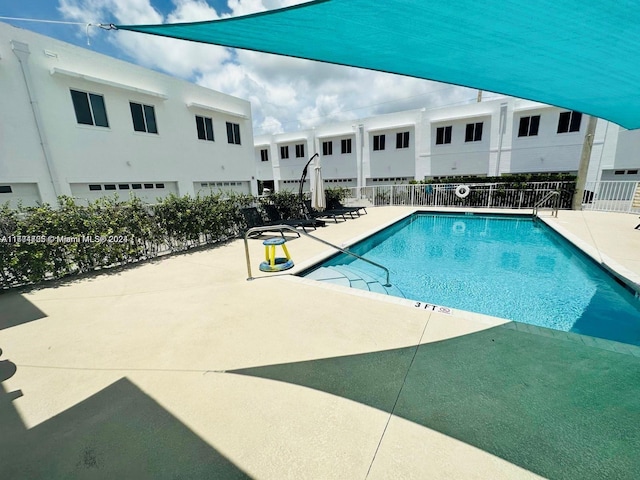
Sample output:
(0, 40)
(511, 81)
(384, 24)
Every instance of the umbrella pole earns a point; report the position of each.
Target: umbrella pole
(302, 179)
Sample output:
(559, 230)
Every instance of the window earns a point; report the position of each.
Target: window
(569, 122)
(5, 189)
(619, 172)
(327, 148)
(123, 186)
(89, 108)
(148, 185)
(264, 155)
(204, 125)
(95, 187)
(632, 172)
(402, 140)
(110, 187)
(144, 118)
(300, 150)
(159, 185)
(346, 145)
(473, 132)
(529, 126)
(233, 133)
(443, 135)
(378, 142)
(284, 152)
(136, 186)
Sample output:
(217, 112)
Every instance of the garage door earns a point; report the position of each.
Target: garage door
(148, 192)
(15, 193)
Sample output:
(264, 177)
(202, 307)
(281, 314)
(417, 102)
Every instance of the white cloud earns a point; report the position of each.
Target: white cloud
(286, 93)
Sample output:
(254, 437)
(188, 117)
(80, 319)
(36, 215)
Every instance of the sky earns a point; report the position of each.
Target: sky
(286, 94)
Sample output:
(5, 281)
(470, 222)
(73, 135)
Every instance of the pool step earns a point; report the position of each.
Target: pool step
(353, 277)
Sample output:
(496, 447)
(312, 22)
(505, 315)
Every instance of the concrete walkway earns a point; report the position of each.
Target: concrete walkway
(180, 368)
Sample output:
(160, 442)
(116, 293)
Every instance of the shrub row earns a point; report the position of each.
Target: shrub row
(42, 243)
(508, 181)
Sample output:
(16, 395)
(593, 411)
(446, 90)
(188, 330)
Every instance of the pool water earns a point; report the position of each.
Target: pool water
(503, 266)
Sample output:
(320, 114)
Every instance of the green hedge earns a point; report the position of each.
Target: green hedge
(43, 243)
(510, 181)
(286, 202)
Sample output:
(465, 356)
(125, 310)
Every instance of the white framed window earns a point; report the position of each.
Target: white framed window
(300, 150)
(204, 127)
(327, 148)
(443, 135)
(284, 152)
(402, 140)
(264, 155)
(144, 118)
(378, 142)
(569, 122)
(233, 133)
(345, 145)
(529, 126)
(89, 108)
(473, 132)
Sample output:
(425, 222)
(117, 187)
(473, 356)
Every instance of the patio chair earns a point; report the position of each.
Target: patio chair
(311, 213)
(253, 218)
(276, 218)
(335, 204)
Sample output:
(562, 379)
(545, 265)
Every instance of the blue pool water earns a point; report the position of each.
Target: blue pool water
(502, 266)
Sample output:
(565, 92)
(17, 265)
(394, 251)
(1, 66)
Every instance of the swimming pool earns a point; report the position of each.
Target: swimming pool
(499, 265)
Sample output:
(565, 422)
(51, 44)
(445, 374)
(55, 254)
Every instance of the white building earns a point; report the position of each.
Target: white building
(77, 123)
(499, 137)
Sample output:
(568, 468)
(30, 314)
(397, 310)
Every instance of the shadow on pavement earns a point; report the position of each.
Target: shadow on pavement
(15, 310)
(120, 432)
(557, 408)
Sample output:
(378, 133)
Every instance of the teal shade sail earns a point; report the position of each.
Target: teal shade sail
(581, 55)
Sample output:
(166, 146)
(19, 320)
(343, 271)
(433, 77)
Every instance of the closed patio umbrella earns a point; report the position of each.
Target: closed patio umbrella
(318, 201)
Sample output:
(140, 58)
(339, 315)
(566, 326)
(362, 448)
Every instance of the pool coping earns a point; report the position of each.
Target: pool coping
(629, 278)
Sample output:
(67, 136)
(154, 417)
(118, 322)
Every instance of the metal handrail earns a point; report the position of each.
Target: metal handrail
(271, 228)
(554, 209)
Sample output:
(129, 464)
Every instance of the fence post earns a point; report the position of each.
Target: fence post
(490, 194)
(413, 191)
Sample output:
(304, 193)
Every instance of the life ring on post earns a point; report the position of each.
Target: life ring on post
(462, 191)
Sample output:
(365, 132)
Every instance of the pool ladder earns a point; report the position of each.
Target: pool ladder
(555, 194)
(272, 228)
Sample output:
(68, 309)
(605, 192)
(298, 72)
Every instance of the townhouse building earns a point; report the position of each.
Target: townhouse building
(74, 122)
(492, 138)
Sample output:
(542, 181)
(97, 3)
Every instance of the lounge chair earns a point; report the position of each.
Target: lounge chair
(311, 213)
(253, 218)
(276, 218)
(336, 205)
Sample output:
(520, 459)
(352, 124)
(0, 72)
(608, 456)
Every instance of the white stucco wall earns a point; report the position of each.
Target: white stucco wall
(84, 154)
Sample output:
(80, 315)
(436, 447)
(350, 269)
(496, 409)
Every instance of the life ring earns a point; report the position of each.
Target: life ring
(280, 264)
(462, 191)
(459, 228)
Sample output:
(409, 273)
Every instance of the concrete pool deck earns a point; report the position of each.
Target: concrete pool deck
(180, 368)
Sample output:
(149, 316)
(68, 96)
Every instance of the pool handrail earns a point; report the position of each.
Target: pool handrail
(292, 229)
(549, 195)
